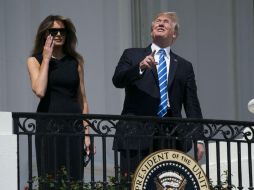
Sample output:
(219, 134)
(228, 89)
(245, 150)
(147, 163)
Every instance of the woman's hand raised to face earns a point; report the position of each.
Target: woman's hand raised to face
(48, 47)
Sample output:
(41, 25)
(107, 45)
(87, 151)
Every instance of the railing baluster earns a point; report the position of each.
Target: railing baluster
(218, 164)
(81, 139)
(104, 162)
(92, 163)
(30, 181)
(250, 166)
(55, 159)
(229, 165)
(207, 159)
(128, 156)
(42, 159)
(68, 158)
(239, 159)
(116, 166)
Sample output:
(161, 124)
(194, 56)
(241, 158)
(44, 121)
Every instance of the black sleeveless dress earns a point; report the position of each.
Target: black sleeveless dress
(53, 151)
(62, 89)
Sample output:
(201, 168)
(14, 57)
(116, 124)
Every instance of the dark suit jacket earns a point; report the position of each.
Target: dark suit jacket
(142, 95)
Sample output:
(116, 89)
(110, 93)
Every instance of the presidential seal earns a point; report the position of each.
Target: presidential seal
(169, 170)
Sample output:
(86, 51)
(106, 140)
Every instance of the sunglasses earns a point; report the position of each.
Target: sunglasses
(54, 31)
(87, 157)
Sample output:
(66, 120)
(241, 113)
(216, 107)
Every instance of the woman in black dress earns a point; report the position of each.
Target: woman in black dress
(57, 78)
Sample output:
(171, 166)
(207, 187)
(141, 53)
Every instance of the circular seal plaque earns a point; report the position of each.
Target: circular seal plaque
(169, 170)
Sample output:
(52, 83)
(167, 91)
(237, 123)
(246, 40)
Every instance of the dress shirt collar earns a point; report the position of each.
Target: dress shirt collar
(157, 48)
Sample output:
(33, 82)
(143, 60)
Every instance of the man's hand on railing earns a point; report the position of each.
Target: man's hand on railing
(201, 150)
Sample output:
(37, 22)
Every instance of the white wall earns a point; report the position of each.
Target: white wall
(8, 153)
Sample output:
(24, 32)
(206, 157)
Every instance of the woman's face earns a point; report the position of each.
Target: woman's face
(58, 31)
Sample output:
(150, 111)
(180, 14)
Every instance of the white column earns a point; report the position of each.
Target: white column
(8, 153)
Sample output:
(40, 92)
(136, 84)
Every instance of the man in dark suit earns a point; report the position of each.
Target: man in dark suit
(138, 70)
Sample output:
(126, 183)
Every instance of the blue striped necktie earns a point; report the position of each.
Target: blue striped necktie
(163, 83)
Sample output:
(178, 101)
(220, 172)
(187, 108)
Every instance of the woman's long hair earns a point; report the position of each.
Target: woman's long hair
(69, 47)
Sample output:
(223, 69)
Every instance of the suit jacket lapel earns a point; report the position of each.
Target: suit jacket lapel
(172, 69)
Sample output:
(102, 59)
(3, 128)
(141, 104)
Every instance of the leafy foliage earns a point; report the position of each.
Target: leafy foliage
(223, 184)
(63, 183)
